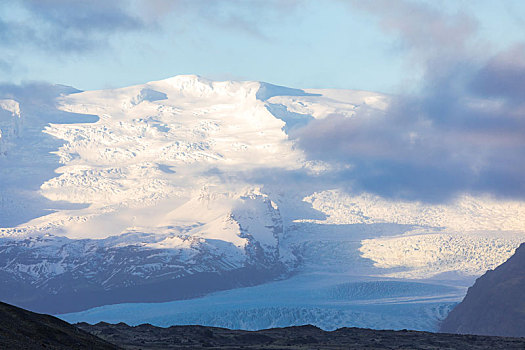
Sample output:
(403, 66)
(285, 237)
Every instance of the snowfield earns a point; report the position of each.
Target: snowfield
(183, 187)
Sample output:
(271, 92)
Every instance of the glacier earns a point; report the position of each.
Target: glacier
(187, 200)
(309, 298)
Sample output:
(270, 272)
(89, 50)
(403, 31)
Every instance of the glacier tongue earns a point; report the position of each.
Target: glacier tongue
(181, 187)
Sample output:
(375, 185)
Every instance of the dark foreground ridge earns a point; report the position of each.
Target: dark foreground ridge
(21, 329)
(303, 337)
(495, 304)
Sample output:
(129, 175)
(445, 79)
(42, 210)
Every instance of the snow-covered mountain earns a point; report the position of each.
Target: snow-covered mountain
(177, 188)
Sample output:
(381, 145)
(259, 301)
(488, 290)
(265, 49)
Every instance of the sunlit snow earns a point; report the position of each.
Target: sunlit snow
(181, 163)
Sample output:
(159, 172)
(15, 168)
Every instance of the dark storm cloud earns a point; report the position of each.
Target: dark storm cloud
(503, 76)
(463, 132)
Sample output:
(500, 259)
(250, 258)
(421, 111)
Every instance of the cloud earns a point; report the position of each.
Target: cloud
(503, 76)
(74, 28)
(77, 26)
(463, 131)
(422, 28)
(65, 26)
(248, 17)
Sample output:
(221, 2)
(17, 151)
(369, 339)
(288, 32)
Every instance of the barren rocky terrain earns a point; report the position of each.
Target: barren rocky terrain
(302, 337)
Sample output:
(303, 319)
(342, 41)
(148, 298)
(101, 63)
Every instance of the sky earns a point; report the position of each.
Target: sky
(455, 71)
(100, 44)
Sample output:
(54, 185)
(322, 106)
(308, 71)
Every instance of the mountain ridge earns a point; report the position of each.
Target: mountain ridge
(150, 186)
(22, 329)
(495, 304)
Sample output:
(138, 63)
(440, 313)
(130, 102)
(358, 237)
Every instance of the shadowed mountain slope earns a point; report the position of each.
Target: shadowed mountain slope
(22, 329)
(495, 304)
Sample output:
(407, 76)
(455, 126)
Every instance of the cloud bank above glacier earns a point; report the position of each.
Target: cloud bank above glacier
(461, 130)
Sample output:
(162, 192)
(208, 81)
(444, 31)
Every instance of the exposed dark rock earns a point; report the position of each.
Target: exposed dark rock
(495, 304)
(21, 329)
(292, 338)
